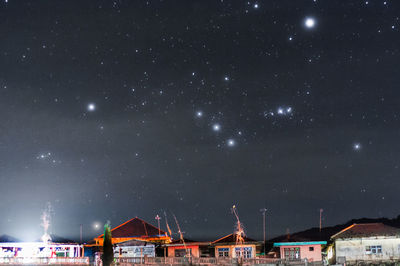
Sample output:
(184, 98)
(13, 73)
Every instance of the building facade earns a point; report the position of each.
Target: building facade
(188, 249)
(226, 247)
(134, 249)
(311, 250)
(375, 242)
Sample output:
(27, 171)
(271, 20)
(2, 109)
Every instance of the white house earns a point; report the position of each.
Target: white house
(134, 248)
(374, 242)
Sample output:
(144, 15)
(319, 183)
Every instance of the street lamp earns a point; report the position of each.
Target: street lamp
(158, 218)
(263, 211)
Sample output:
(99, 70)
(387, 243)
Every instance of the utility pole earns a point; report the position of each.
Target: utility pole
(263, 211)
(320, 219)
(158, 218)
(81, 231)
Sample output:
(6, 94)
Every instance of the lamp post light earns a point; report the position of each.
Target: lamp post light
(158, 218)
(263, 211)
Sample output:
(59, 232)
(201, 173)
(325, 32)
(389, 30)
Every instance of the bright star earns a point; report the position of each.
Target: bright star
(309, 23)
(91, 107)
(216, 127)
(357, 146)
(199, 113)
(280, 111)
(226, 78)
(256, 5)
(231, 142)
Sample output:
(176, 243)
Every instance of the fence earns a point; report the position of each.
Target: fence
(45, 261)
(209, 261)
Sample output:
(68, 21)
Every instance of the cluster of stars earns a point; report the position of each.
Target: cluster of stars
(43, 156)
(216, 127)
(280, 111)
(47, 157)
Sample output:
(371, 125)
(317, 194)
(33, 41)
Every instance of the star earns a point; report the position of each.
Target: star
(226, 78)
(91, 107)
(216, 127)
(356, 146)
(284, 111)
(309, 22)
(96, 225)
(255, 5)
(44, 156)
(231, 142)
(199, 114)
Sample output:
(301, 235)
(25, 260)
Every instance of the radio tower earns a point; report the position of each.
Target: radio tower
(239, 231)
(188, 254)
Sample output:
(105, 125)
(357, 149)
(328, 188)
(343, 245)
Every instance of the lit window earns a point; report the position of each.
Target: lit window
(223, 252)
(244, 252)
(373, 250)
(292, 253)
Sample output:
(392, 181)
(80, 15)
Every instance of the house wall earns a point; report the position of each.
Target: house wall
(115, 240)
(134, 251)
(355, 249)
(232, 253)
(305, 252)
(195, 250)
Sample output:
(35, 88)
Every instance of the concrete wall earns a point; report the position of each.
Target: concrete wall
(195, 250)
(305, 252)
(355, 249)
(232, 252)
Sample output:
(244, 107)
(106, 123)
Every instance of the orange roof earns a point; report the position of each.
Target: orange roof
(367, 230)
(135, 228)
(231, 239)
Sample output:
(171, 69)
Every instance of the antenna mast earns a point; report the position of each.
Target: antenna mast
(239, 231)
(180, 234)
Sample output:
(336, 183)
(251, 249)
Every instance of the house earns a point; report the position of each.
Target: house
(190, 248)
(310, 250)
(373, 242)
(226, 247)
(135, 229)
(134, 249)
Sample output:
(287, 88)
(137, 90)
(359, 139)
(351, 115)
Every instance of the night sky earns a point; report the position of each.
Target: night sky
(116, 109)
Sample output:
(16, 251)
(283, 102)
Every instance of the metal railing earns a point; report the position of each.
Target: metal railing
(44, 261)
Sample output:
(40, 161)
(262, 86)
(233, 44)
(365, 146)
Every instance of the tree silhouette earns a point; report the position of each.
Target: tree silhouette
(108, 253)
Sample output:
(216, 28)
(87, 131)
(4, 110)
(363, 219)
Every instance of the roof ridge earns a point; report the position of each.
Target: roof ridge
(343, 230)
(221, 238)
